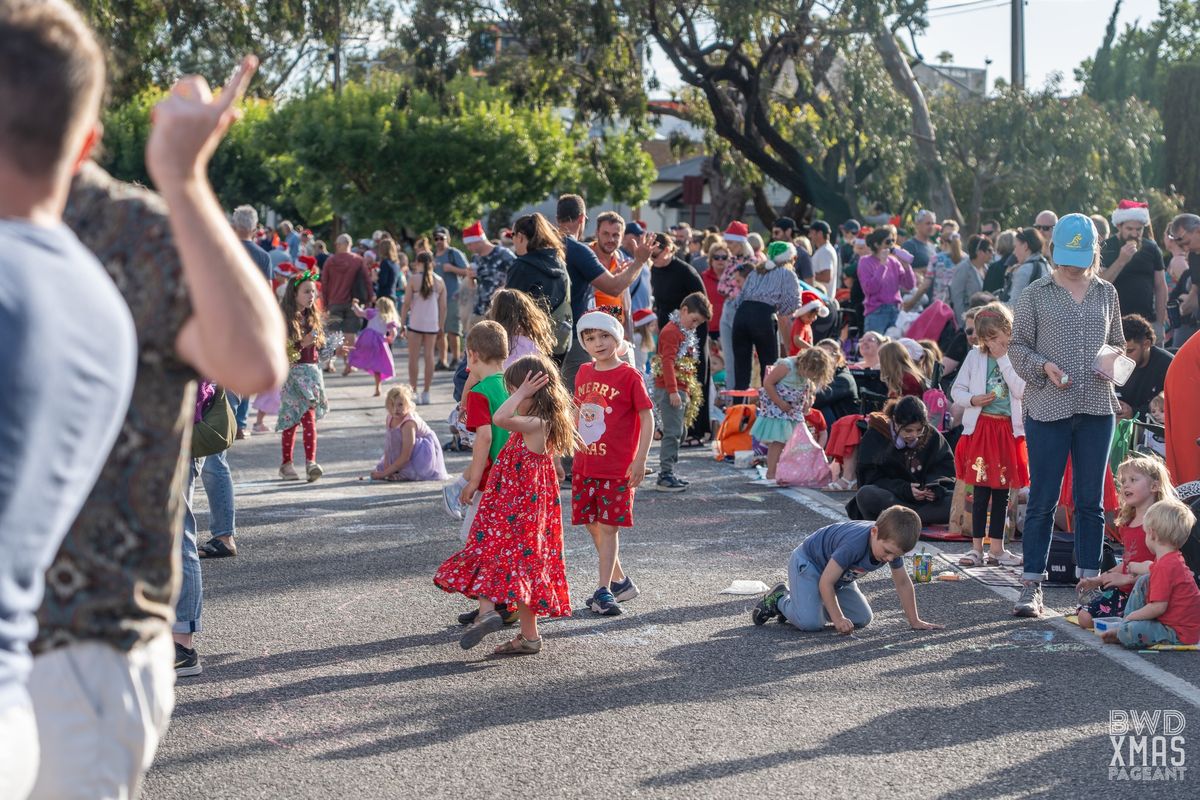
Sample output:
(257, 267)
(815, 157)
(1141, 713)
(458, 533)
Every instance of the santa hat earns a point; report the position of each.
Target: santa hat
(602, 321)
(1131, 211)
(596, 399)
(811, 301)
(643, 316)
(860, 238)
(736, 232)
(474, 233)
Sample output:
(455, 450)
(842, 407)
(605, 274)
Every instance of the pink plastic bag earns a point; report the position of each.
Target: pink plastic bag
(803, 462)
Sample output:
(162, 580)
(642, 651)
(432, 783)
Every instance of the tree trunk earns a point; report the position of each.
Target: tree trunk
(762, 206)
(941, 196)
(726, 199)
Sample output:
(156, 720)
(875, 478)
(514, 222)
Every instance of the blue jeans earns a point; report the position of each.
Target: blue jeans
(881, 319)
(802, 606)
(1086, 438)
(218, 485)
(241, 408)
(1143, 632)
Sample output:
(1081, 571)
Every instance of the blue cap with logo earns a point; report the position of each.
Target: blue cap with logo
(1074, 240)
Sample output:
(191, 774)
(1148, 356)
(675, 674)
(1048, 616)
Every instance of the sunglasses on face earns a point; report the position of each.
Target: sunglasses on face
(1044, 228)
(969, 331)
(1174, 237)
(718, 258)
(890, 241)
(987, 233)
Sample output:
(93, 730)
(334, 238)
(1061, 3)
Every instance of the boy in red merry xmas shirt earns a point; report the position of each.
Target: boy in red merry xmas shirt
(616, 422)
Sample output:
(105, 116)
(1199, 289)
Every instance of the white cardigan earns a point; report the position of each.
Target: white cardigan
(972, 380)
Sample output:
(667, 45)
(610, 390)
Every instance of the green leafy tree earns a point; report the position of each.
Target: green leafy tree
(1015, 154)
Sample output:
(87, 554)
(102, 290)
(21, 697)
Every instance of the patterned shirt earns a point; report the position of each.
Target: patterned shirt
(778, 287)
(1049, 326)
(115, 576)
(491, 271)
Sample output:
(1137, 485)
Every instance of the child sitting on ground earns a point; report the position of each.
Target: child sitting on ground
(823, 571)
(1164, 606)
(412, 451)
(677, 392)
(786, 397)
(1144, 482)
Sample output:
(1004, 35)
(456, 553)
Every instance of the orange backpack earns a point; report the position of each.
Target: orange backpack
(734, 433)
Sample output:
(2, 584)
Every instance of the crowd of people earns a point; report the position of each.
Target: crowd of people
(907, 373)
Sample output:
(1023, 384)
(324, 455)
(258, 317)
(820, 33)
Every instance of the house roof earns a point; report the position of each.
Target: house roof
(675, 173)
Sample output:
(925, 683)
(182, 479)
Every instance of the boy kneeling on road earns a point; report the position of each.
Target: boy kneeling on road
(824, 568)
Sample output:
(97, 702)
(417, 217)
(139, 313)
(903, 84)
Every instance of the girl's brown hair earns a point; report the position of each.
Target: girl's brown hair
(551, 404)
(425, 260)
(301, 321)
(540, 233)
(894, 364)
(880, 235)
(816, 365)
(520, 315)
(992, 320)
(933, 356)
(387, 249)
(1156, 471)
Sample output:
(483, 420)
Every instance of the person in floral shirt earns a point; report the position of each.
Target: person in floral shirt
(489, 269)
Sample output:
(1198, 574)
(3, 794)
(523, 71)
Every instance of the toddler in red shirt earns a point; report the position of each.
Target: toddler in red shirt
(615, 422)
(1164, 606)
(811, 309)
(677, 390)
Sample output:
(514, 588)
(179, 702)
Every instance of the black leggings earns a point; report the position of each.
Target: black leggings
(754, 330)
(998, 498)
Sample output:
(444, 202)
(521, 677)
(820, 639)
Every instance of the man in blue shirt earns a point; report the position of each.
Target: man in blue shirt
(69, 367)
(451, 264)
(824, 570)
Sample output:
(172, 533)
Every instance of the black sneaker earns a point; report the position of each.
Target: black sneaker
(187, 662)
(603, 603)
(508, 615)
(624, 591)
(768, 608)
(669, 483)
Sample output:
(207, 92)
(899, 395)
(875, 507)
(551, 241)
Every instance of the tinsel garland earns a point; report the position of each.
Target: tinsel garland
(686, 367)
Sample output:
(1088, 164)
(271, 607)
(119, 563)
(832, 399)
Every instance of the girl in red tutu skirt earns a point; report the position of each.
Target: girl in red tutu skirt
(991, 454)
(514, 552)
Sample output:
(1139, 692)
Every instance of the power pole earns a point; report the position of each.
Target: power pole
(1018, 45)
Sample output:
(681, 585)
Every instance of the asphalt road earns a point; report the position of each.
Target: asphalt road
(332, 667)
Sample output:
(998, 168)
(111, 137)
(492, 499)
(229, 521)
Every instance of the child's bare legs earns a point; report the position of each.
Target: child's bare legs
(485, 607)
(378, 380)
(850, 466)
(1085, 619)
(607, 546)
(774, 450)
(529, 628)
(414, 359)
(428, 338)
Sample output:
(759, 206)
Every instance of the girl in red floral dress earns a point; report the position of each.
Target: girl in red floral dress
(514, 553)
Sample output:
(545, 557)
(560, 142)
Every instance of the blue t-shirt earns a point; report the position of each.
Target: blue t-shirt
(455, 258)
(67, 374)
(261, 259)
(1002, 405)
(924, 253)
(582, 268)
(847, 543)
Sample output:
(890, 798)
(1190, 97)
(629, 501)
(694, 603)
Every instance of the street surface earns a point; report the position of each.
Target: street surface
(332, 667)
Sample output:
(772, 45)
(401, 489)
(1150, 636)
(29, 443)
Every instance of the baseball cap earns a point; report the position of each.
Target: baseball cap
(1074, 241)
(441, 230)
(851, 226)
(820, 225)
(635, 228)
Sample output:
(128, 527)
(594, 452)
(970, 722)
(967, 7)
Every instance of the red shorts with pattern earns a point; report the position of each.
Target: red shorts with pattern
(608, 501)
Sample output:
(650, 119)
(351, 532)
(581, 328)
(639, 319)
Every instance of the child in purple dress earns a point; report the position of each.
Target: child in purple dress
(373, 350)
(412, 451)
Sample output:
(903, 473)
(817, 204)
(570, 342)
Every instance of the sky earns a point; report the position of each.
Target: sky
(1059, 34)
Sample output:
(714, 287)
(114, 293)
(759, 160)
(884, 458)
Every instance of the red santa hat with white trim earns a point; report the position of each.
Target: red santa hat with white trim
(736, 232)
(811, 301)
(643, 316)
(474, 233)
(1131, 211)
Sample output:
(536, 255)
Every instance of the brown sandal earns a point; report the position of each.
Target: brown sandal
(519, 646)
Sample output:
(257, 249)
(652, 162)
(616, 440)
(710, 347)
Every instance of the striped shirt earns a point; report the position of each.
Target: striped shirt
(1049, 326)
(779, 288)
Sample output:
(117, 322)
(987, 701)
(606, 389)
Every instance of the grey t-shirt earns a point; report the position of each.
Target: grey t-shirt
(451, 256)
(261, 259)
(847, 543)
(67, 373)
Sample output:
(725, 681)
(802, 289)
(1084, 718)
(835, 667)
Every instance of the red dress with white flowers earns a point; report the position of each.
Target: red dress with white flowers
(515, 549)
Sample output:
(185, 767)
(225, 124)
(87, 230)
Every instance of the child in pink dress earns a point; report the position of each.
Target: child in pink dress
(412, 451)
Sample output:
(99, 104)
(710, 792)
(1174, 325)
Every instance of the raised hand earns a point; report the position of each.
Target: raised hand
(188, 125)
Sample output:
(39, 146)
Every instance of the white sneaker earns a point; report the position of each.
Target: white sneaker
(314, 471)
(424, 398)
(287, 471)
(1029, 602)
(451, 495)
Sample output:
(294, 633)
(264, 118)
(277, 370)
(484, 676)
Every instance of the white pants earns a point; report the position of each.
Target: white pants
(18, 750)
(100, 716)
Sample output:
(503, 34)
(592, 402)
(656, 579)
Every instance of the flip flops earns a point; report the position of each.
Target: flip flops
(216, 547)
